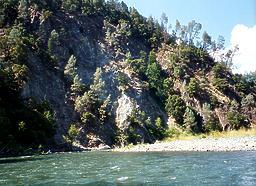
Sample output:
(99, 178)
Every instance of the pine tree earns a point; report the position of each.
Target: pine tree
(70, 68)
(210, 122)
(175, 107)
(77, 86)
(98, 84)
(53, 41)
(190, 123)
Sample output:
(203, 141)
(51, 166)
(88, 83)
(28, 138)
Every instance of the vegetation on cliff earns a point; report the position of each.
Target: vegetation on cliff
(93, 72)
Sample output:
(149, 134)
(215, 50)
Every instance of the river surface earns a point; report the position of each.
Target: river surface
(114, 168)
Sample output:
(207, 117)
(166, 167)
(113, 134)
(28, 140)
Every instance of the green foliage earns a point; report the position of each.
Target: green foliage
(172, 133)
(138, 65)
(193, 87)
(153, 71)
(190, 123)
(8, 12)
(178, 72)
(213, 101)
(103, 110)
(122, 79)
(73, 132)
(53, 41)
(77, 87)
(93, 105)
(22, 122)
(138, 121)
(133, 136)
(138, 117)
(207, 41)
(20, 73)
(187, 34)
(24, 33)
(248, 101)
(220, 75)
(71, 5)
(251, 78)
(221, 84)
(175, 107)
(23, 9)
(157, 79)
(219, 70)
(46, 14)
(159, 130)
(236, 120)
(98, 84)
(241, 85)
(210, 122)
(17, 44)
(70, 68)
(248, 105)
(70, 71)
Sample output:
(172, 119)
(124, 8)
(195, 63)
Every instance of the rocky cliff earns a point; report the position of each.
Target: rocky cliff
(113, 77)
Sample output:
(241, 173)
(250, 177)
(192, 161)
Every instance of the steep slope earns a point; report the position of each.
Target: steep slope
(101, 75)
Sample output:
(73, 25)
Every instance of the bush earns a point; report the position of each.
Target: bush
(172, 133)
(72, 132)
(176, 107)
(221, 84)
(193, 87)
(236, 120)
(122, 79)
(190, 123)
(219, 70)
(70, 69)
(210, 122)
(71, 5)
(133, 137)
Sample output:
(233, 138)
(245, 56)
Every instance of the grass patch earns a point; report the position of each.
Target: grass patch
(177, 135)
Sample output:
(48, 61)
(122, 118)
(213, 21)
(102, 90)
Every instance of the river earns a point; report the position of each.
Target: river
(115, 168)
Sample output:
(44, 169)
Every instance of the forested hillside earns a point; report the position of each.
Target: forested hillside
(95, 73)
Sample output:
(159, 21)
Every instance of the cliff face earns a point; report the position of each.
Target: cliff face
(113, 77)
(85, 38)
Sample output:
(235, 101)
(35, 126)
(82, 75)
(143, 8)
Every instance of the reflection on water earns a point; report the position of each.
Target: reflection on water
(112, 168)
(20, 159)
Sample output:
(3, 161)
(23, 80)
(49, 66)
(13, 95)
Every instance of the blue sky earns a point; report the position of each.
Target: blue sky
(218, 17)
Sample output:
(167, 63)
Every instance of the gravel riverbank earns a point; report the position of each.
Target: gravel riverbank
(204, 144)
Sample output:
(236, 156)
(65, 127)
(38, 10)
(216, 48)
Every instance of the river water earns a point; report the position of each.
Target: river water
(114, 168)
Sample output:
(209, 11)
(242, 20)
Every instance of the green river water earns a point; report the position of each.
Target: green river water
(113, 168)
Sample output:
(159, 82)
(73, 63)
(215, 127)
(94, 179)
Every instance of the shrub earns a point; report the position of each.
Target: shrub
(193, 87)
(172, 133)
(70, 69)
(72, 132)
(221, 84)
(175, 106)
(133, 137)
(219, 70)
(122, 79)
(190, 123)
(53, 41)
(77, 87)
(236, 120)
(210, 122)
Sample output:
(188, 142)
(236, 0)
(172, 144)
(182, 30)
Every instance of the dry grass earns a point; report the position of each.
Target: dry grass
(224, 134)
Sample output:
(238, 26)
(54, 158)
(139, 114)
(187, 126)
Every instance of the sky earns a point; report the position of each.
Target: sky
(233, 19)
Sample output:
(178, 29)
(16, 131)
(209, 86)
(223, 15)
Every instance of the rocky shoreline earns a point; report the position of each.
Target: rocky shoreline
(204, 144)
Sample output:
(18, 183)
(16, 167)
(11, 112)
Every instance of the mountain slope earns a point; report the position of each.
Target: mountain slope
(96, 73)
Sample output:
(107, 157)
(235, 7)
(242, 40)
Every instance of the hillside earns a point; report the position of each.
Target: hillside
(78, 74)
